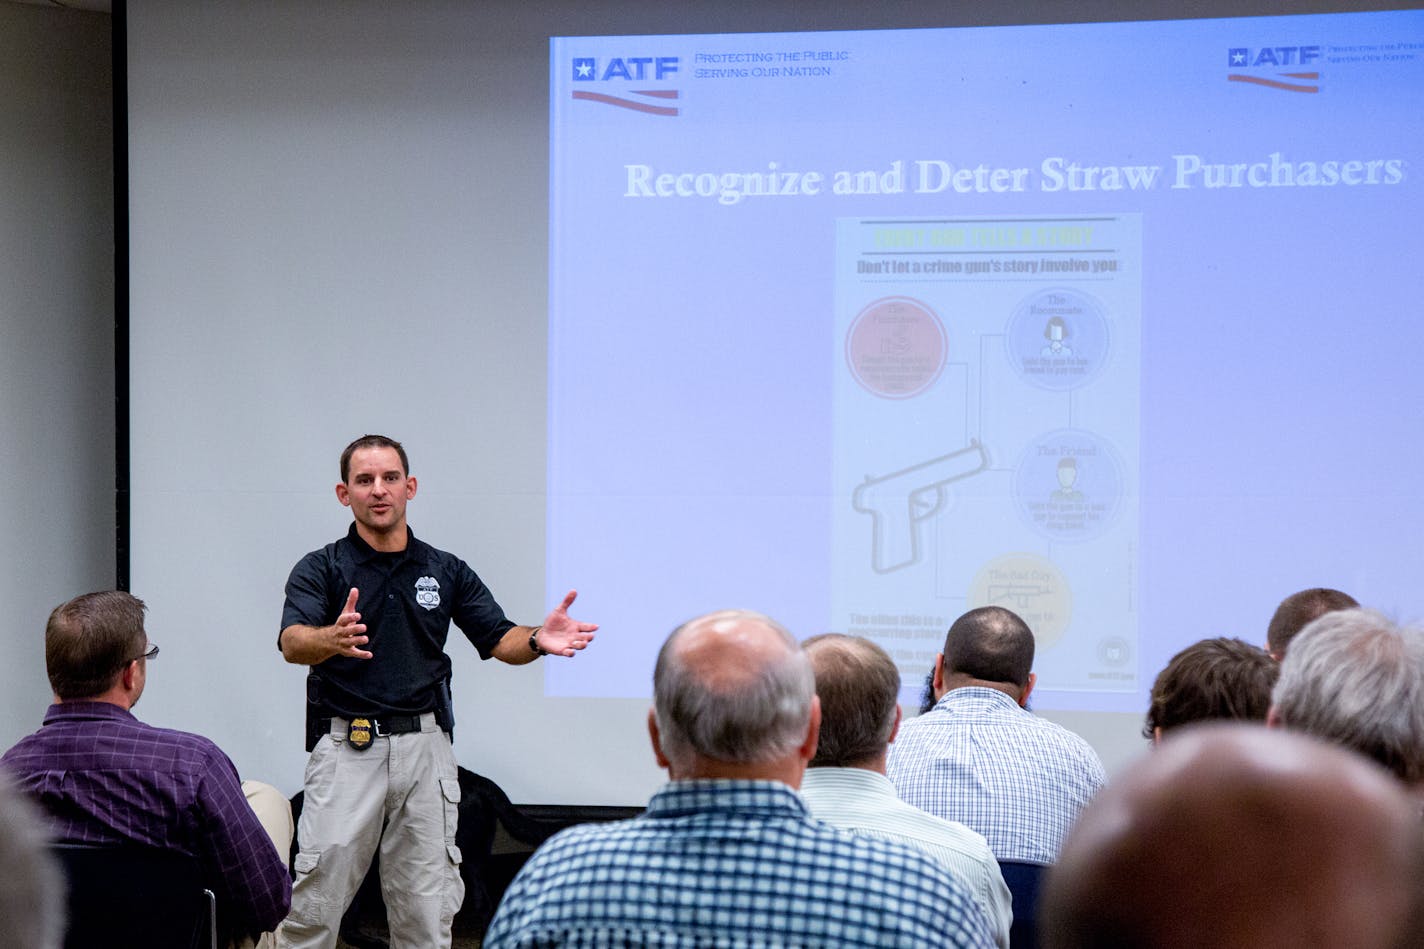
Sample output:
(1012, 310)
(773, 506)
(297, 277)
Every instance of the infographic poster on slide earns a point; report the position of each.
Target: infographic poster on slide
(986, 435)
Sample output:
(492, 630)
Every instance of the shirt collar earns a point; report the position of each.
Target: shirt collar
(748, 798)
(87, 711)
(847, 780)
(365, 553)
(975, 698)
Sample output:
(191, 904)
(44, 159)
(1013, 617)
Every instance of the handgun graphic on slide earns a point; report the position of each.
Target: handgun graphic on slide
(899, 503)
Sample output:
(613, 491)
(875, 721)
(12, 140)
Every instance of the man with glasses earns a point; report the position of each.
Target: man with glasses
(105, 778)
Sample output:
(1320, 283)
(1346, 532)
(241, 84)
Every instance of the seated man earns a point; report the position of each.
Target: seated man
(981, 758)
(104, 777)
(1215, 678)
(1298, 611)
(1236, 837)
(726, 854)
(845, 785)
(1355, 678)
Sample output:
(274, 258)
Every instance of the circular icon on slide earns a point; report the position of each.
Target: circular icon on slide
(896, 347)
(1068, 485)
(1058, 339)
(1032, 587)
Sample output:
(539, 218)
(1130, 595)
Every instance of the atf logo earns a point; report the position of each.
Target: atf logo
(628, 69)
(1303, 79)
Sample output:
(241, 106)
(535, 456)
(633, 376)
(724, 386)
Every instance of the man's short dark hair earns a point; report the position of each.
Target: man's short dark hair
(371, 441)
(90, 639)
(992, 644)
(1215, 678)
(1298, 611)
(859, 687)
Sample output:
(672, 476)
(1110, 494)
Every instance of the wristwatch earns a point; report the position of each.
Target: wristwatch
(534, 646)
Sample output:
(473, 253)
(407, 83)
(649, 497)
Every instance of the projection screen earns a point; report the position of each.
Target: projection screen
(1111, 323)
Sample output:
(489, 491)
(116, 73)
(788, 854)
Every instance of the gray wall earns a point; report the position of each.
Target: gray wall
(56, 332)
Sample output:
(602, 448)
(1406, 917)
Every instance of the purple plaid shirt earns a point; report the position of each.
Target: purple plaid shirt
(104, 777)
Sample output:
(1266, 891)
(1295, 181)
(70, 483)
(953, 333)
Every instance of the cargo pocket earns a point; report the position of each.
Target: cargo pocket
(308, 896)
(455, 884)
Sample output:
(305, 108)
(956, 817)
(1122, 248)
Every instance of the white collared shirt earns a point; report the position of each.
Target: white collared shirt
(864, 802)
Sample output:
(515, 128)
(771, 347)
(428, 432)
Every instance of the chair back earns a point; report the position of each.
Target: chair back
(129, 897)
(1024, 880)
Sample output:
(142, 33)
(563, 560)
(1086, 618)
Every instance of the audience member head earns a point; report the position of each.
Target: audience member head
(927, 690)
(1231, 835)
(371, 441)
(1299, 610)
(859, 688)
(1355, 678)
(989, 646)
(733, 696)
(95, 644)
(1215, 678)
(32, 899)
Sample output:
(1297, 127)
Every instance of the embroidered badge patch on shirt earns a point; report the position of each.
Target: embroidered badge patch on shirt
(427, 592)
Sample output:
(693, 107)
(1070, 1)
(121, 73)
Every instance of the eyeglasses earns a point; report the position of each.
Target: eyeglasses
(150, 654)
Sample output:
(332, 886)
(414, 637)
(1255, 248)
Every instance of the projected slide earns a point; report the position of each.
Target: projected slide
(866, 329)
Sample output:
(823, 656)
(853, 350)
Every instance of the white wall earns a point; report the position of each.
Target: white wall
(56, 333)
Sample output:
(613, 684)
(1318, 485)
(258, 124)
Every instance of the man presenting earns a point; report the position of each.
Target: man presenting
(370, 614)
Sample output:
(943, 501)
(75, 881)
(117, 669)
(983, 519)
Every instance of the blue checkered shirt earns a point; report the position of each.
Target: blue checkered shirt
(980, 759)
(732, 863)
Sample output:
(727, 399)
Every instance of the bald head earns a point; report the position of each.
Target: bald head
(1232, 835)
(732, 688)
(988, 646)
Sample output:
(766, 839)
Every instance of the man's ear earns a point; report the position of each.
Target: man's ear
(657, 741)
(1273, 718)
(937, 683)
(813, 730)
(343, 495)
(409, 488)
(895, 729)
(1028, 689)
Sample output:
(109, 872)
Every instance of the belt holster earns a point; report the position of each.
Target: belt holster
(318, 719)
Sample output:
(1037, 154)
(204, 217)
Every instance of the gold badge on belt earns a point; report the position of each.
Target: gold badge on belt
(358, 733)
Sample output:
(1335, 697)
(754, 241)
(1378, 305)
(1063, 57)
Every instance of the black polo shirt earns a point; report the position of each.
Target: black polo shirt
(407, 601)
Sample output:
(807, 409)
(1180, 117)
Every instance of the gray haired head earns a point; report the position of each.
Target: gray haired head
(732, 686)
(1356, 678)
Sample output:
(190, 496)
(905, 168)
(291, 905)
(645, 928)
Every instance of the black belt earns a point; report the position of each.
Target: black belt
(384, 725)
